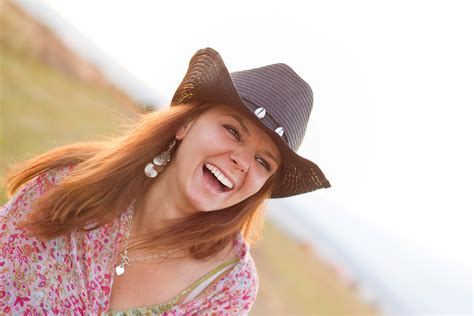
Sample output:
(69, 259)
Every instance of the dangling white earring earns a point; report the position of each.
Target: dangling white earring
(159, 162)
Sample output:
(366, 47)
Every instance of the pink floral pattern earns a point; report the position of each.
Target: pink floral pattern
(73, 274)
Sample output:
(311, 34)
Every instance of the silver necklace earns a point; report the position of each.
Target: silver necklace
(126, 260)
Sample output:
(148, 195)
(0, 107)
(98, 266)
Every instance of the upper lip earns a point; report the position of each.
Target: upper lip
(225, 174)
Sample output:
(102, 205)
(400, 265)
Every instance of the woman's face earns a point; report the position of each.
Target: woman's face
(223, 158)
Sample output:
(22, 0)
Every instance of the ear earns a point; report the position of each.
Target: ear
(183, 130)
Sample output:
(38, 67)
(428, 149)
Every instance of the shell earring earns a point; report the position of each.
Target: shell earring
(159, 162)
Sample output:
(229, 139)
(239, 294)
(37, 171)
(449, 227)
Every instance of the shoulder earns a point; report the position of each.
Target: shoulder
(46, 179)
(236, 292)
(242, 284)
(243, 281)
(32, 189)
(246, 270)
(54, 176)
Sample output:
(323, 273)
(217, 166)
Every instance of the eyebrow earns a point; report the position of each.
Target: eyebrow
(241, 122)
(242, 125)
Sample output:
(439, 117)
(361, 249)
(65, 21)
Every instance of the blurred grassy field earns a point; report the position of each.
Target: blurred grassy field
(294, 282)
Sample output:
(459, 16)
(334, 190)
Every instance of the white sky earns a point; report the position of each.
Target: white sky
(393, 83)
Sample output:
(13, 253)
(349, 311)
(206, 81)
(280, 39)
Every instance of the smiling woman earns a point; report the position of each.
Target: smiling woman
(159, 220)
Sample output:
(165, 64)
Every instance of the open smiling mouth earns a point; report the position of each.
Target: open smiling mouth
(216, 179)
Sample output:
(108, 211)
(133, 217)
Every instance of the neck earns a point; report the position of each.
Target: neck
(163, 201)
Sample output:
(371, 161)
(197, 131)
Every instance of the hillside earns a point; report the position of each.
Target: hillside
(23, 35)
(46, 100)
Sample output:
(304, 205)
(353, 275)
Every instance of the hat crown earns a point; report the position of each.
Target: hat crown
(285, 98)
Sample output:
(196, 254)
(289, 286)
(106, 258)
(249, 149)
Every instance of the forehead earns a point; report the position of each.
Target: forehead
(241, 116)
(223, 109)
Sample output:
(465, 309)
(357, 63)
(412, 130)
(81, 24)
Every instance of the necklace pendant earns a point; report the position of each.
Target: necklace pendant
(119, 270)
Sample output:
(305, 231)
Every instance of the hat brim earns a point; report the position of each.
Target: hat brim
(208, 80)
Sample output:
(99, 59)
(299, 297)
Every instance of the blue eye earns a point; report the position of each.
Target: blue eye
(233, 131)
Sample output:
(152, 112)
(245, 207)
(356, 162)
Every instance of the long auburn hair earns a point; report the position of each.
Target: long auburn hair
(89, 196)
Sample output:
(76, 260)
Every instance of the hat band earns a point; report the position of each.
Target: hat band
(268, 119)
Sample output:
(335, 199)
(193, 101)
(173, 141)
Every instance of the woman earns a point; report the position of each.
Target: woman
(159, 221)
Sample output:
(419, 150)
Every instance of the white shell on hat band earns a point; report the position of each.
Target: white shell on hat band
(260, 112)
(280, 130)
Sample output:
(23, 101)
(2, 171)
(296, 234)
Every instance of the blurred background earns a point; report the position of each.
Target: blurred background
(393, 85)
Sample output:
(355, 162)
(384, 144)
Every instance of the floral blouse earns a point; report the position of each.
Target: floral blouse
(73, 274)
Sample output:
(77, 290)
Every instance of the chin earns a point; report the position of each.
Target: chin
(199, 202)
(204, 199)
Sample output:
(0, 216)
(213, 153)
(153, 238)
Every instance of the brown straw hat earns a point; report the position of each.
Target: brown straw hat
(273, 95)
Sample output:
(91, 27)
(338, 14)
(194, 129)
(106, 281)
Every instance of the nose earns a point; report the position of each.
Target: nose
(241, 160)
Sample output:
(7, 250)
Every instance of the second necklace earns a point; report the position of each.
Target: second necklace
(126, 260)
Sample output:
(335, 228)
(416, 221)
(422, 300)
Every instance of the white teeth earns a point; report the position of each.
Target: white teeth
(220, 176)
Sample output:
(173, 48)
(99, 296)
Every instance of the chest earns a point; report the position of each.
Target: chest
(146, 284)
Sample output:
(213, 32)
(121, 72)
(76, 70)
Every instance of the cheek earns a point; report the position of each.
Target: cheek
(214, 136)
(253, 184)
(195, 145)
